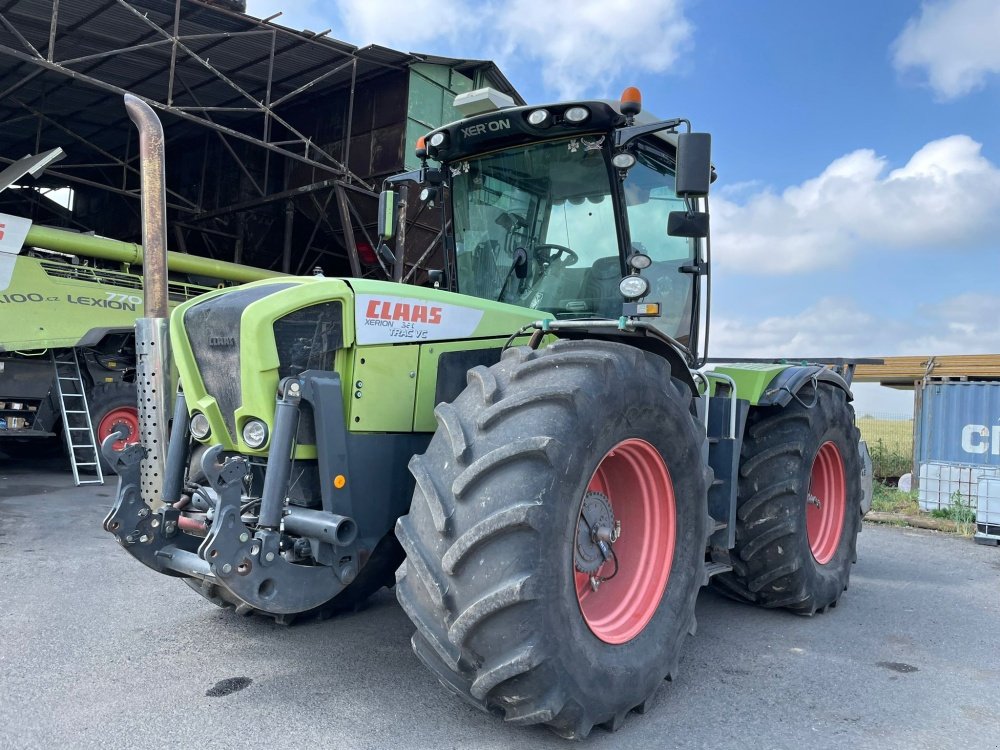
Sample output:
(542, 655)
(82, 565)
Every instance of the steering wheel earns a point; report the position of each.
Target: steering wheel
(544, 254)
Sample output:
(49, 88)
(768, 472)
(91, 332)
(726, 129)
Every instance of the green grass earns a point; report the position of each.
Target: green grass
(887, 499)
(891, 500)
(960, 512)
(890, 443)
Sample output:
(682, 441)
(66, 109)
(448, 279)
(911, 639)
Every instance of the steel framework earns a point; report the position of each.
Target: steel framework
(277, 139)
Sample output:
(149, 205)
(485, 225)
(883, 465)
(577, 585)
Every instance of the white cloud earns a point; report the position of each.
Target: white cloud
(947, 196)
(838, 327)
(835, 327)
(955, 42)
(580, 45)
(406, 26)
(576, 46)
(966, 324)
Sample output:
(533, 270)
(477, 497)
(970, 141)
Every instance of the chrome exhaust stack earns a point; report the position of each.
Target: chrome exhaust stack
(152, 345)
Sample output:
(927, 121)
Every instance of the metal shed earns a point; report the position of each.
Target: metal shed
(277, 139)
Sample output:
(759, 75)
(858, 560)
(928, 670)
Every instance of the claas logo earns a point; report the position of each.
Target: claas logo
(404, 311)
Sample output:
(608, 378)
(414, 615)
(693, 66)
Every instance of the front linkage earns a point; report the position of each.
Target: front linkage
(249, 557)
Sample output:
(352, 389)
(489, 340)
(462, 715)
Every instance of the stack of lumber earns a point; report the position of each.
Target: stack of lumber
(902, 372)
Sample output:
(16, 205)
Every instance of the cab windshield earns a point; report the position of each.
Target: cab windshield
(554, 201)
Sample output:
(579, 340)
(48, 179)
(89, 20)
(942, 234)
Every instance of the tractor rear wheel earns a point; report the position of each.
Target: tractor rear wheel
(799, 504)
(555, 544)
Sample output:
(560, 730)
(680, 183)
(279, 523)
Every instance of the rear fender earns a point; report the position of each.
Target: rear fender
(787, 383)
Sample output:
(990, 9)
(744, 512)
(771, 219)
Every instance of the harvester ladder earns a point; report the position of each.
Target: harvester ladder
(77, 427)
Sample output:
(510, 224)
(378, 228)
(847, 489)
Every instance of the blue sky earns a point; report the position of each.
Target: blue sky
(857, 212)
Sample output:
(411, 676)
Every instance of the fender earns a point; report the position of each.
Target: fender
(790, 381)
(679, 367)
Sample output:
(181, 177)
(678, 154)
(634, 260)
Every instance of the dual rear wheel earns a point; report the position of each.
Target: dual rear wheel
(798, 509)
(556, 540)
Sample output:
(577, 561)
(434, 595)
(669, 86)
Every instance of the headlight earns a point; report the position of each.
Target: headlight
(200, 427)
(624, 160)
(255, 433)
(576, 114)
(639, 261)
(632, 287)
(437, 140)
(538, 117)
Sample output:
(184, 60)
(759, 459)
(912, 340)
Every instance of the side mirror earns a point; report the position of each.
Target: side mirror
(693, 224)
(386, 214)
(694, 165)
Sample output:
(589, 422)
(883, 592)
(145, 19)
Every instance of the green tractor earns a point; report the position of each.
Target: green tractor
(528, 445)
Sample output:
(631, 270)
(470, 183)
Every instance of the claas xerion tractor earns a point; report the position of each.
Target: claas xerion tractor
(528, 444)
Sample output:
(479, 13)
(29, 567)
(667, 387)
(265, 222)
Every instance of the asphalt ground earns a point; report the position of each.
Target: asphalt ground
(98, 651)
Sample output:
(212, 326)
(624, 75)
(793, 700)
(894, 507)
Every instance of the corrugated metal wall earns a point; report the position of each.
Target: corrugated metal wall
(959, 423)
(432, 93)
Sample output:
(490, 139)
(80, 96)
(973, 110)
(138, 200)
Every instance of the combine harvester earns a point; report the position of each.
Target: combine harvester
(535, 432)
(68, 306)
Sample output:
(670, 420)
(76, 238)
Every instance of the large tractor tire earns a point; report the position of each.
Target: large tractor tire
(799, 504)
(113, 407)
(517, 609)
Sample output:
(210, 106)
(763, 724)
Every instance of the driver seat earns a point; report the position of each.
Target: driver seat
(600, 287)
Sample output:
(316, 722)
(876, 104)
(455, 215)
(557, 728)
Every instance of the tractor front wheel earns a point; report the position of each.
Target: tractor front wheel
(555, 543)
(798, 509)
(113, 409)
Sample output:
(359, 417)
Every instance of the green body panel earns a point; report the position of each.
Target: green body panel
(388, 377)
(392, 400)
(751, 378)
(258, 355)
(430, 355)
(53, 303)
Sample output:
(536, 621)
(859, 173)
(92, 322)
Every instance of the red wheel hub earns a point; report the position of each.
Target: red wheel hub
(124, 416)
(826, 503)
(634, 482)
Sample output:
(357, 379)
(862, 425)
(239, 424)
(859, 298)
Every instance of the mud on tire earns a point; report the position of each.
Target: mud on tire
(491, 534)
(773, 562)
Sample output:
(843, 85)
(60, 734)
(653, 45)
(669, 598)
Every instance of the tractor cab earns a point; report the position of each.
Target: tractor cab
(572, 209)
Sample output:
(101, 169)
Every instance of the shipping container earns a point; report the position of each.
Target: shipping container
(959, 423)
(957, 441)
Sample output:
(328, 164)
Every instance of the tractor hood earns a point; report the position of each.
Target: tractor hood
(232, 347)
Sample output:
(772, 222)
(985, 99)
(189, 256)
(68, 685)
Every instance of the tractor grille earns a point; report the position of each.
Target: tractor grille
(308, 339)
(213, 328)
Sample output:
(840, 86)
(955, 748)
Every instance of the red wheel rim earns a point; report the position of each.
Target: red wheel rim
(636, 481)
(125, 416)
(826, 503)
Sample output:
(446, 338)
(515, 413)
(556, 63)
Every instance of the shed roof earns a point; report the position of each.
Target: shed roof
(199, 61)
